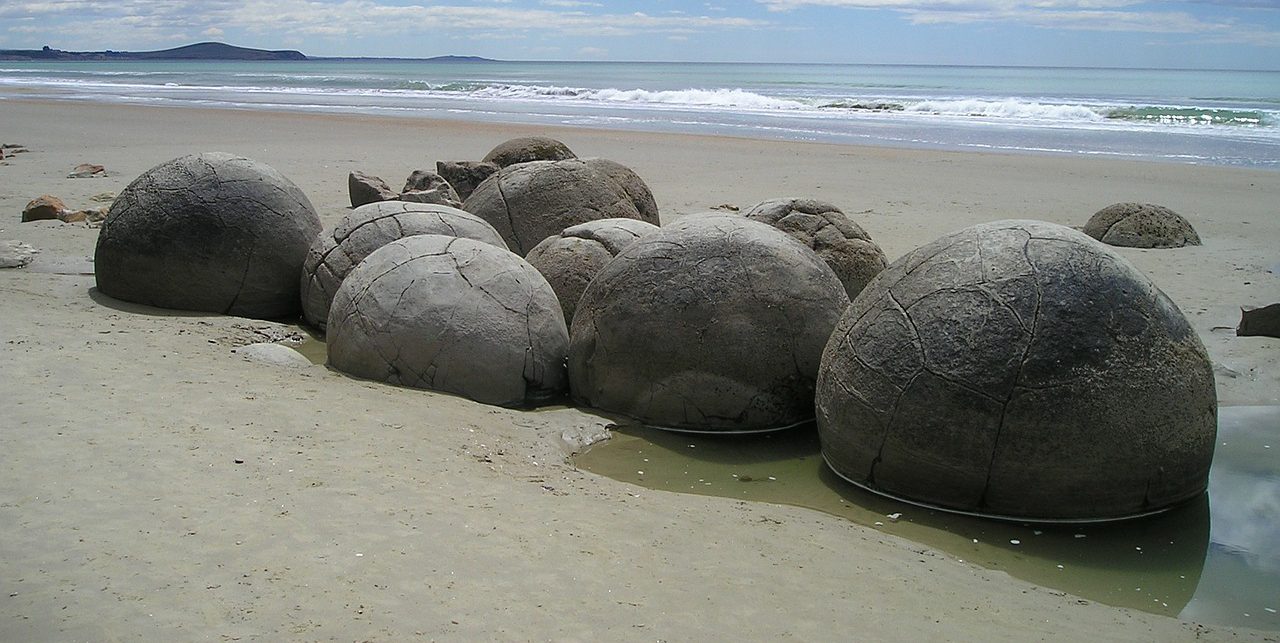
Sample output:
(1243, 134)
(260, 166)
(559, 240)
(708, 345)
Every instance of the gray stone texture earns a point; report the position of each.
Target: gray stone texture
(464, 176)
(365, 188)
(715, 323)
(423, 186)
(572, 258)
(451, 315)
(211, 232)
(843, 244)
(531, 201)
(1018, 369)
(529, 148)
(1141, 225)
(16, 254)
(1263, 320)
(336, 252)
(631, 183)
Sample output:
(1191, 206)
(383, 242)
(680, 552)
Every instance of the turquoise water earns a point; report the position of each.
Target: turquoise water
(1213, 117)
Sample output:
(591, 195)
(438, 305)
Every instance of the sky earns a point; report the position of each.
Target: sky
(1201, 34)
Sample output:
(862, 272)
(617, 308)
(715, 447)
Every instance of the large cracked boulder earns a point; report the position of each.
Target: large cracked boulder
(451, 315)
(528, 148)
(210, 232)
(572, 258)
(1018, 369)
(713, 324)
(631, 183)
(336, 252)
(843, 244)
(1141, 225)
(529, 202)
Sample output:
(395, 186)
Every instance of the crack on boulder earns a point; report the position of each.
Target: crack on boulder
(1022, 362)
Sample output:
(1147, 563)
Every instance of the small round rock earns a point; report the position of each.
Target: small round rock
(367, 228)
(1019, 369)
(572, 258)
(529, 202)
(713, 324)
(528, 148)
(452, 315)
(210, 232)
(843, 244)
(1141, 225)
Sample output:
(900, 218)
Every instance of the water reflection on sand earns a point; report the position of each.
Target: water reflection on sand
(1214, 560)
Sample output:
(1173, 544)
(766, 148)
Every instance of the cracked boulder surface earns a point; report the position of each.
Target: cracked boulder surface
(529, 202)
(631, 183)
(528, 148)
(358, 233)
(843, 244)
(1019, 369)
(1141, 225)
(572, 258)
(452, 315)
(209, 232)
(713, 324)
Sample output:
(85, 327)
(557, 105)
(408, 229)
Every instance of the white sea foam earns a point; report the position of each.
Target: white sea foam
(1010, 108)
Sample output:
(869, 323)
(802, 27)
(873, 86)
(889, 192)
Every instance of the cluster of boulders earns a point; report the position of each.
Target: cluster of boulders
(1017, 368)
(421, 187)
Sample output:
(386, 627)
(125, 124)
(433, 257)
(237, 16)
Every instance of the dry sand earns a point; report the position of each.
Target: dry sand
(155, 485)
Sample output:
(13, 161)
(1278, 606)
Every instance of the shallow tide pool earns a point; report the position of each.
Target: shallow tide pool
(1215, 559)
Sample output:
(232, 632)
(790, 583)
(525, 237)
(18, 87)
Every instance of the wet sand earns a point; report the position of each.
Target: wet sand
(156, 485)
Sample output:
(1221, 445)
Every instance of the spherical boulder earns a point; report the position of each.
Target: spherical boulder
(452, 315)
(572, 258)
(528, 148)
(529, 202)
(713, 324)
(843, 244)
(1018, 369)
(210, 232)
(1141, 225)
(367, 228)
(631, 183)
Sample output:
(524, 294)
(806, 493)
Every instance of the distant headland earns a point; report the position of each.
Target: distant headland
(197, 51)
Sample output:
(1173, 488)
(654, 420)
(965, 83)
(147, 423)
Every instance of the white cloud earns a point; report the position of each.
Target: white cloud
(570, 3)
(593, 52)
(1080, 15)
(126, 20)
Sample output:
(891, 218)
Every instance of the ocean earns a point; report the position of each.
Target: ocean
(1181, 116)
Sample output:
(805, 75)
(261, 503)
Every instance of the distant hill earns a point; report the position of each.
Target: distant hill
(198, 51)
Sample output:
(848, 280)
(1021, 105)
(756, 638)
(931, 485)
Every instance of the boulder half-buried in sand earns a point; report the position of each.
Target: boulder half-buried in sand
(713, 324)
(529, 202)
(211, 232)
(843, 244)
(571, 259)
(369, 227)
(1019, 369)
(1141, 225)
(451, 315)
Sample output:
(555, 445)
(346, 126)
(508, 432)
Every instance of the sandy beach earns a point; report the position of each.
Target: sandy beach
(156, 485)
